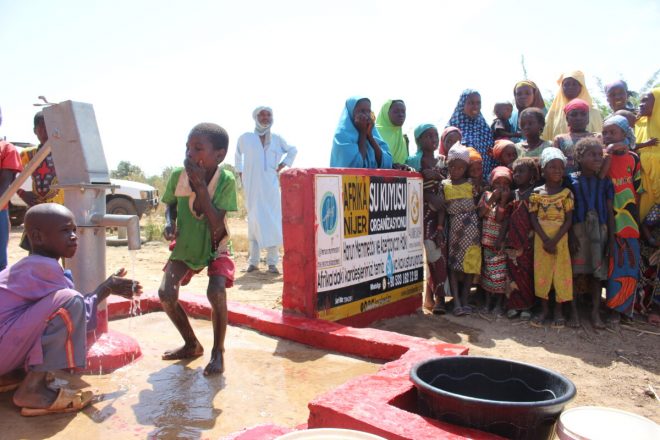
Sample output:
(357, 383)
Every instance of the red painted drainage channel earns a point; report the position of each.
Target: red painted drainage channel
(384, 403)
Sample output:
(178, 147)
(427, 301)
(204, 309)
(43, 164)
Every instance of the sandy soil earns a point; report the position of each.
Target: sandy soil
(615, 369)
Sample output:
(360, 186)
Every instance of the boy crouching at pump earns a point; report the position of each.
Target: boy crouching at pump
(198, 197)
(44, 320)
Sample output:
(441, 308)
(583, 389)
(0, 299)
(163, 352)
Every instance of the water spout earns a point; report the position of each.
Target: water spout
(130, 222)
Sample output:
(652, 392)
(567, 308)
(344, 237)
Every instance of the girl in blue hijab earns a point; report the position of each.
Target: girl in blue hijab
(357, 143)
(476, 132)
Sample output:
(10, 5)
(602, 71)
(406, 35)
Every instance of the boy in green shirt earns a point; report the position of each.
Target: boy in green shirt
(197, 199)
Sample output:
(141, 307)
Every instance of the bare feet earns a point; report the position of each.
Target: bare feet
(596, 321)
(538, 320)
(216, 365)
(654, 318)
(185, 352)
(11, 380)
(574, 322)
(34, 392)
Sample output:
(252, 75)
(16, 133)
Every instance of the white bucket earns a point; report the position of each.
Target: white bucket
(328, 434)
(600, 423)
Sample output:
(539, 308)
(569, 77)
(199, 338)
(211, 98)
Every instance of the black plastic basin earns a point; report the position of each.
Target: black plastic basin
(511, 399)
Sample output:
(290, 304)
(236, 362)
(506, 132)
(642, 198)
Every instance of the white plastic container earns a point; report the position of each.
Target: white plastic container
(601, 423)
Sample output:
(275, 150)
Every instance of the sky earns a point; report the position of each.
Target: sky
(154, 69)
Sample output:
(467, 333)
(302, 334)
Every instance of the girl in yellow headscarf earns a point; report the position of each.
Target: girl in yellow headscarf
(389, 122)
(571, 86)
(647, 129)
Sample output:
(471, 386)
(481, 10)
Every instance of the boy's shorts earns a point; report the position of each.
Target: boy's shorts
(222, 266)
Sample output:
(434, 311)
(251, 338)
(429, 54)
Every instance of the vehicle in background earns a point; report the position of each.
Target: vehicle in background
(131, 198)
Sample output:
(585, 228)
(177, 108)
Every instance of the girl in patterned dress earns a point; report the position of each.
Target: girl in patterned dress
(435, 243)
(550, 209)
(493, 209)
(624, 169)
(464, 235)
(520, 241)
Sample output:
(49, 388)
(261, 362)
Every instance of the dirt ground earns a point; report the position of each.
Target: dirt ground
(618, 369)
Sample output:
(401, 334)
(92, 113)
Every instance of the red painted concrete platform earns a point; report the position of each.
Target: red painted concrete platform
(383, 403)
(111, 351)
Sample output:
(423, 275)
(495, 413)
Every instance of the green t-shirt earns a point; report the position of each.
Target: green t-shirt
(193, 244)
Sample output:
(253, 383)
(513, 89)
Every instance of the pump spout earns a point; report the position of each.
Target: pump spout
(130, 222)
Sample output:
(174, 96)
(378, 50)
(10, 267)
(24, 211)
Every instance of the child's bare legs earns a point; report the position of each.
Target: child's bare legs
(467, 285)
(498, 310)
(487, 302)
(545, 310)
(168, 292)
(596, 292)
(217, 296)
(575, 317)
(454, 278)
(34, 392)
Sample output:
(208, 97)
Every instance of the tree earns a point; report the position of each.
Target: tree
(128, 171)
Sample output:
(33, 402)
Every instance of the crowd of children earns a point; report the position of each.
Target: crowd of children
(552, 219)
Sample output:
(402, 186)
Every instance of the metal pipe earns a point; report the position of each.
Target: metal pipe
(130, 222)
(42, 153)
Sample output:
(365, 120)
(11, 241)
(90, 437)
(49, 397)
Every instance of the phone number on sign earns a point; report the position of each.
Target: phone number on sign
(401, 279)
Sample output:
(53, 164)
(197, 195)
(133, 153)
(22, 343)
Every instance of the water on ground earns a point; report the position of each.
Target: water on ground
(267, 380)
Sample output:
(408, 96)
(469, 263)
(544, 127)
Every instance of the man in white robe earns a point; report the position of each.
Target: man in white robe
(260, 156)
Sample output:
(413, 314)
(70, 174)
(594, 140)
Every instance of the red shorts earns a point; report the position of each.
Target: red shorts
(222, 266)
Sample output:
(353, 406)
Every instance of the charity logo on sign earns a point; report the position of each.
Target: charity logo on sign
(329, 213)
(415, 207)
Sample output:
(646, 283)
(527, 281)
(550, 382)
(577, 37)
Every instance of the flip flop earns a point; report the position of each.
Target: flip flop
(558, 323)
(536, 321)
(9, 387)
(67, 401)
(459, 311)
(439, 310)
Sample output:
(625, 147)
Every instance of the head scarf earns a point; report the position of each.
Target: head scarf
(444, 149)
(500, 172)
(458, 152)
(500, 146)
(648, 127)
(476, 131)
(345, 151)
(551, 153)
(622, 122)
(392, 134)
(555, 120)
(621, 84)
(576, 104)
(474, 155)
(258, 127)
(415, 161)
(538, 101)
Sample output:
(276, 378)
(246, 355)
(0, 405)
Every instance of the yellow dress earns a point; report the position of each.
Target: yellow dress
(552, 270)
(645, 129)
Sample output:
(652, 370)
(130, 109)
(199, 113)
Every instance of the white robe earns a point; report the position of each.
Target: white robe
(262, 186)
